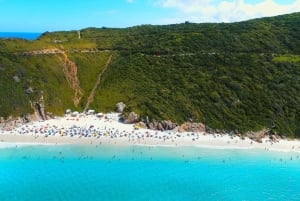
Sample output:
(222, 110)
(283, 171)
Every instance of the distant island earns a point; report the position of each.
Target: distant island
(230, 77)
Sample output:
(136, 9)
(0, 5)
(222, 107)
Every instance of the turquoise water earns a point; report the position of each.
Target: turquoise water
(146, 173)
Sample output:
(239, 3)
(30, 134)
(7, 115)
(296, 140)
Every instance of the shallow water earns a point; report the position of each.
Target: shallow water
(146, 173)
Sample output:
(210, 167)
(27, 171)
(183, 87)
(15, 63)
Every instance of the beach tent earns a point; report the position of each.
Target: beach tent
(68, 111)
(75, 114)
(90, 112)
(99, 115)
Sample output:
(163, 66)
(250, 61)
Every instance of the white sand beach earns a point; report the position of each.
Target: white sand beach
(92, 130)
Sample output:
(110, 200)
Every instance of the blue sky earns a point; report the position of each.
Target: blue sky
(52, 15)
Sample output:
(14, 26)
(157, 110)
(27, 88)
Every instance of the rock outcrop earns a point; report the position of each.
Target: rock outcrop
(256, 136)
(16, 79)
(38, 108)
(120, 107)
(191, 127)
(41, 107)
(131, 118)
(29, 90)
(140, 125)
(11, 123)
(161, 125)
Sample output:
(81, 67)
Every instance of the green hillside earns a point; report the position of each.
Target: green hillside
(231, 76)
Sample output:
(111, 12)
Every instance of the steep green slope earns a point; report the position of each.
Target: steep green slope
(248, 92)
(90, 65)
(23, 78)
(237, 76)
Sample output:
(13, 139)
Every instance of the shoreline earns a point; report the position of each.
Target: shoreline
(9, 140)
(93, 131)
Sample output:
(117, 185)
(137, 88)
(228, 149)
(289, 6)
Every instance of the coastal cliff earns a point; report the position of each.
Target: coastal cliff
(230, 76)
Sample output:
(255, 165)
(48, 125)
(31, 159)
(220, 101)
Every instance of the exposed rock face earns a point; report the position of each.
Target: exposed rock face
(152, 125)
(11, 123)
(217, 131)
(41, 107)
(191, 127)
(50, 115)
(38, 108)
(273, 138)
(29, 90)
(256, 136)
(26, 118)
(120, 107)
(132, 118)
(169, 125)
(161, 125)
(33, 117)
(140, 125)
(16, 78)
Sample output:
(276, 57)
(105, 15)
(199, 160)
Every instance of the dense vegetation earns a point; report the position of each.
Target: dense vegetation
(236, 76)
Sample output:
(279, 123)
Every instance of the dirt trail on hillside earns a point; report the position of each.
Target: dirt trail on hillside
(92, 94)
(70, 70)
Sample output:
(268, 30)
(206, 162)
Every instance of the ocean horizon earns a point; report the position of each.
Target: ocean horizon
(21, 35)
(100, 172)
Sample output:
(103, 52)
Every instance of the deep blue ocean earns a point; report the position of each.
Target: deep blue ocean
(77, 173)
(22, 35)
